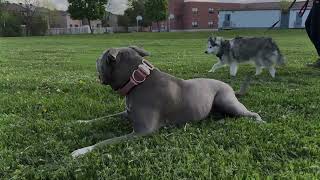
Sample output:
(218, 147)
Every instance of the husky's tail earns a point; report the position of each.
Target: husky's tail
(244, 86)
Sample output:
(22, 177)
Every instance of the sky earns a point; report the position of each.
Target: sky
(119, 5)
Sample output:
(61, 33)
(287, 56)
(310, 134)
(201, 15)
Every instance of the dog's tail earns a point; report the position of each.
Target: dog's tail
(244, 86)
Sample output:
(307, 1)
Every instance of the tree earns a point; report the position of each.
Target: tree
(284, 6)
(12, 25)
(156, 10)
(50, 12)
(1, 10)
(137, 7)
(87, 9)
(29, 11)
(1, 4)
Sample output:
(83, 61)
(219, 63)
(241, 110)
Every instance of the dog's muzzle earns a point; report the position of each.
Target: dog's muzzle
(206, 52)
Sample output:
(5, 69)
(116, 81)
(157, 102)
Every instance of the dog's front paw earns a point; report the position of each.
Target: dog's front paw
(211, 71)
(259, 119)
(81, 151)
(83, 121)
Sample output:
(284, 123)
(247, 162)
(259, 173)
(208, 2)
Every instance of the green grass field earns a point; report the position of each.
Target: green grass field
(47, 83)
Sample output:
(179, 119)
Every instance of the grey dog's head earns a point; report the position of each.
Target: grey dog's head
(214, 45)
(116, 65)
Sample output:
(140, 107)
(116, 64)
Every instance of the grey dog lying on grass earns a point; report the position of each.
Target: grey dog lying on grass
(155, 99)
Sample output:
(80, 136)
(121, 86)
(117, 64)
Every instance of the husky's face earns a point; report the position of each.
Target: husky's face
(214, 45)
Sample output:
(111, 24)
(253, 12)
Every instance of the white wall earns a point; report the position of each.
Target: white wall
(293, 18)
(94, 23)
(251, 19)
(72, 22)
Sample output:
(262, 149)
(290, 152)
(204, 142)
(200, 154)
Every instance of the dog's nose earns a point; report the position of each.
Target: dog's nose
(206, 52)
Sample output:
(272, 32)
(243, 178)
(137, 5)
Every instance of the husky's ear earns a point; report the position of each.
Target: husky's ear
(212, 38)
(140, 51)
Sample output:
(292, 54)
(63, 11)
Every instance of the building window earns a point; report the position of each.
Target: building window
(195, 24)
(71, 25)
(76, 25)
(195, 10)
(211, 11)
(210, 24)
(227, 17)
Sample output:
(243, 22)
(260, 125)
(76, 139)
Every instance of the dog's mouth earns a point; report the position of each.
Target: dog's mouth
(102, 80)
(99, 79)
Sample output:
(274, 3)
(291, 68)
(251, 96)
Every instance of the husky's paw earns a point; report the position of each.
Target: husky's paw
(211, 71)
(81, 151)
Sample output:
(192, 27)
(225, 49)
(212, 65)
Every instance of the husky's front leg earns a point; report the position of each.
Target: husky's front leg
(258, 70)
(216, 66)
(272, 71)
(233, 69)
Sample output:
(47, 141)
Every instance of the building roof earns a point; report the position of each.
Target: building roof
(253, 6)
(298, 5)
(261, 6)
(13, 7)
(200, 1)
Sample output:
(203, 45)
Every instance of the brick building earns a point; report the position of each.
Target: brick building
(194, 15)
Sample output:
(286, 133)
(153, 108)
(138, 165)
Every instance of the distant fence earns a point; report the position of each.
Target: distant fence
(79, 30)
(101, 30)
(141, 29)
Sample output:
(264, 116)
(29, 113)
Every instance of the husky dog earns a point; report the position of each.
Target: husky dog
(262, 51)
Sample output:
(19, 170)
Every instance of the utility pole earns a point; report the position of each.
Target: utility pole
(138, 18)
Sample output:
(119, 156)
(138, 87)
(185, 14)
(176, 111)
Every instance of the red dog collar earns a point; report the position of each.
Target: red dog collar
(138, 76)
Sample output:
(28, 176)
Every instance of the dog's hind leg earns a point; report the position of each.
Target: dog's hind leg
(272, 71)
(228, 103)
(216, 66)
(122, 115)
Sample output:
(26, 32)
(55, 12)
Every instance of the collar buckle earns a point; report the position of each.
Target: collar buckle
(138, 76)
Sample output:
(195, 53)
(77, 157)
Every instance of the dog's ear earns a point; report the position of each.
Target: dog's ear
(113, 53)
(140, 51)
(212, 40)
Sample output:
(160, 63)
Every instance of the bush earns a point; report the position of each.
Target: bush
(10, 25)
